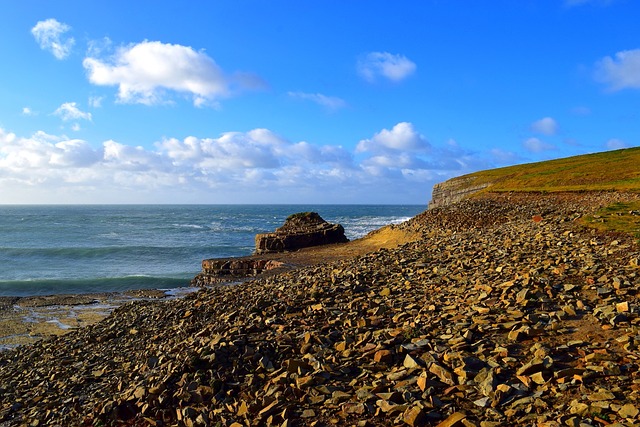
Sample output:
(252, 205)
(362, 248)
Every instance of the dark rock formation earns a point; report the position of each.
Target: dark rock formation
(219, 270)
(299, 231)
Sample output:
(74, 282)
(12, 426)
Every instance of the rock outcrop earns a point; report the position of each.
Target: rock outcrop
(219, 270)
(452, 191)
(299, 231)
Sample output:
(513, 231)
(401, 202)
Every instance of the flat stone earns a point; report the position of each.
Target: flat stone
(601, 395)
(383, 356)
(410, 362)
(628, 410)
(414, 417)
(442, 373)
(453, 420)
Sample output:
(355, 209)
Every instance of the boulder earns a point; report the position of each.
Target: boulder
(300, 230)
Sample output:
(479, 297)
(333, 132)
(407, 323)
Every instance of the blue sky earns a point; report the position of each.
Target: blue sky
(303, 102)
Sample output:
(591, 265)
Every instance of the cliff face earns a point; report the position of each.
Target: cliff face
(453, 190)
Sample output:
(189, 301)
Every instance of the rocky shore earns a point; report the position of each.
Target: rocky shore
(502, 310)
(25, 320)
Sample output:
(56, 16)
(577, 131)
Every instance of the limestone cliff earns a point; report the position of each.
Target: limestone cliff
(454, 190)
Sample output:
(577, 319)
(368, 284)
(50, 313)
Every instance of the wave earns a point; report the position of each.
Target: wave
(35, 286)
(193, 226)
(359, 227)
(87, 252)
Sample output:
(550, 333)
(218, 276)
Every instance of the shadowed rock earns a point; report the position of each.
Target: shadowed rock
(299, 231)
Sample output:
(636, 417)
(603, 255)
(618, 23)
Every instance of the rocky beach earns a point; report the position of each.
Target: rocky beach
(499, 310)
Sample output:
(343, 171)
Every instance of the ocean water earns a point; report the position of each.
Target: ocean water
(111, 248)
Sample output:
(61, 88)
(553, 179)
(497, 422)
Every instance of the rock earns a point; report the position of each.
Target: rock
(383, 356)
(299, 231)
(628, 411)
(601, 395)
(442, 373)
(224, 269)
(453, 420)
(414, 417)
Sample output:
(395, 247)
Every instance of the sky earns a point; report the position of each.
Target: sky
(303, 102)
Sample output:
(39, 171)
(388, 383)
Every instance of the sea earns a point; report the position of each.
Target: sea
(69, 249)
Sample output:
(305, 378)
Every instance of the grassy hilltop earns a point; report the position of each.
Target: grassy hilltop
(617, 170)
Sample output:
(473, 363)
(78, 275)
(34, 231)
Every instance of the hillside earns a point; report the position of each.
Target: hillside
(617, 170)
(610, 171)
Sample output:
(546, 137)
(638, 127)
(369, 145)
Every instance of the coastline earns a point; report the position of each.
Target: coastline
(505, 310)
(26, 320)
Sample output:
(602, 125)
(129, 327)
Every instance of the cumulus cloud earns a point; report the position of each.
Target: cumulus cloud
(402, 137)
(42, 152)
(537, 146)
(258, 165)
(147, 72)
(70, 111)
(26, 111)
(621, 71)
(616, 144)
(50, 36)
(329, 102)
(545, 126)
(374, 65)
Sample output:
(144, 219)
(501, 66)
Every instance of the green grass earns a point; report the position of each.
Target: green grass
(617, 170)
(620, 217)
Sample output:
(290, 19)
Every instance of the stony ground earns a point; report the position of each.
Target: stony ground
(25, 320)
(504, 312)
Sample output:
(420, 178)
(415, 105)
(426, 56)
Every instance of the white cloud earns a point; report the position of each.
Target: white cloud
(329, 102)
(545, 126)
(537, 146)
(616, 144)
(49, 35)
(42, 152)
(26, 111)
(383, 64)
(620, 72)
(147, 72)
(95, 101)
(396, 165)
(70, 111)
(402, 137)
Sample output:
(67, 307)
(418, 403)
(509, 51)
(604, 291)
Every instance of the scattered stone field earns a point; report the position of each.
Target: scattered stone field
(504, 311)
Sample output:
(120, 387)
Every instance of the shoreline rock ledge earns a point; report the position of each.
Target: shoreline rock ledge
(300, 230)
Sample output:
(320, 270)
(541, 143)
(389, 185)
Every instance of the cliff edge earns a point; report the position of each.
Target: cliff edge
(611, 171)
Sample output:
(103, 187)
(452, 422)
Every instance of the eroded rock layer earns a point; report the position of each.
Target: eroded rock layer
(299, 231)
